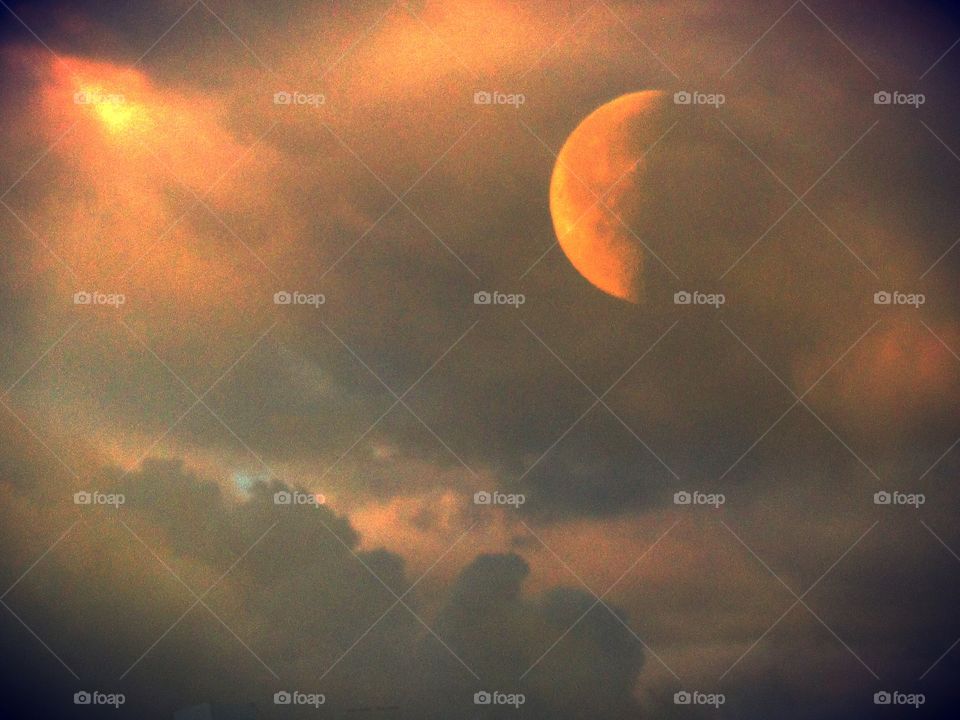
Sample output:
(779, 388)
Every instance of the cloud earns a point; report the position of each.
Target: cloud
(399, 299)
(501, 636)
(285, 590)
(104, 197)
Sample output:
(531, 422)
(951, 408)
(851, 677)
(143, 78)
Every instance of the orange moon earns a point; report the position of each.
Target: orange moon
(603, 157)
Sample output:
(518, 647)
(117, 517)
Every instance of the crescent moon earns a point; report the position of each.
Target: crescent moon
(603, 158)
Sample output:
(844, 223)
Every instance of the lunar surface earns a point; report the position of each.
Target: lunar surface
(597, 188)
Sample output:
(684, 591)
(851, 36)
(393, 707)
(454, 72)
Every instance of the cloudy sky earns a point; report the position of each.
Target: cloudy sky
(173, 170)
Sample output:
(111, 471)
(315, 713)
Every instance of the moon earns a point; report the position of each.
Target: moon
(604, 158)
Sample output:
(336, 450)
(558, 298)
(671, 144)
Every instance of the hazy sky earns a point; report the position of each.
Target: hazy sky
(149, 164)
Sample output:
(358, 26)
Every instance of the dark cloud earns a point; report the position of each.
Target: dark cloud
(568, 667)
(298, 593)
